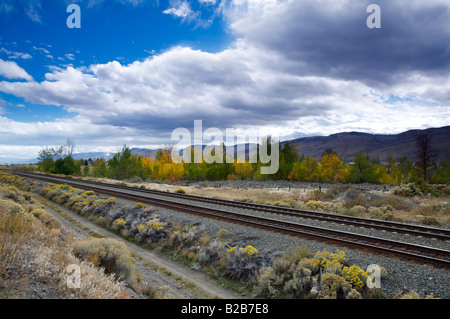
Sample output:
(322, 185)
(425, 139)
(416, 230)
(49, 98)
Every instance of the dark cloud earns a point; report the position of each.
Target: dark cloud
(333, 40)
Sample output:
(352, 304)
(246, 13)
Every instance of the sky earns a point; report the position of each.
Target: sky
(138, 69)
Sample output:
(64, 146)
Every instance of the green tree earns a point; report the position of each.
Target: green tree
(66, 166)
(442, 175)
(122, 165)
(363, 170)
(46, 160)
(288, 157)
(100, 168)
(405, 165)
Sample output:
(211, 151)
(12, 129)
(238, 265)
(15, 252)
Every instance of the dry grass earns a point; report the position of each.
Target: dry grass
(33, 253)
(15, 230)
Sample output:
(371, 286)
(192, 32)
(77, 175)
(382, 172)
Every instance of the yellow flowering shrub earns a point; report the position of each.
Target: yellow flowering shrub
(140, 205)
(37, 212)
(87, 194)
(249, 250)
(153, 224)
(336, 287)
(324, 259)
(322, 206)
(119, 223)
(356, 276)
(101, 203)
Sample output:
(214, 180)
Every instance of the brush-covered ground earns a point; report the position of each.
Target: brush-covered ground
(42, 244)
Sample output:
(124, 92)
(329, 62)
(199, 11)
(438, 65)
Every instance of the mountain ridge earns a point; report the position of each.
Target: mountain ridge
(345, 144)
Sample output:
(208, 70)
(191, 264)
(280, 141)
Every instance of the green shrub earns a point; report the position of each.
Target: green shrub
(9, 206)
(108, 253)
(288, 278)
(243, 264)
(334, 286)
(152, 230)
(430, 221)
(212, 254)
(47, 219)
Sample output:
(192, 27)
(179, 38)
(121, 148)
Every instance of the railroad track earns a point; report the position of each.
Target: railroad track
(408, 251)
(415, 230)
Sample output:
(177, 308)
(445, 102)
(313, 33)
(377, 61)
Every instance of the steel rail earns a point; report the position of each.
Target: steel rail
(426, 254)
(410, 229)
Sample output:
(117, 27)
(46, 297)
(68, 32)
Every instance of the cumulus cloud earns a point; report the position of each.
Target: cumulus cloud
(330, 38)
(296, 67)
(23, 140)
(10, 70)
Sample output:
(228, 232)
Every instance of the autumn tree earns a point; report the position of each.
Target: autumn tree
(307, 169)
(243, 170)
(332, 168)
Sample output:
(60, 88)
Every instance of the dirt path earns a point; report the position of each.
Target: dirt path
(171, 278)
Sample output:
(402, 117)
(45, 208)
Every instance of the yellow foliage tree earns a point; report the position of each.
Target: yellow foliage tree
(243, 170)
(332, 169)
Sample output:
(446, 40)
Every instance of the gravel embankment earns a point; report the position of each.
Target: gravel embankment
(424, 279)
(421, 278)
(402, 275)
(281, 184)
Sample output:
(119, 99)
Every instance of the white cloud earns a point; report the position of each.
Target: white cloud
(16, 55)
(259, 82)
(181, 9)
(207, 2)
(10, 70)
(32, 10)
(25, 56)
(41, 49)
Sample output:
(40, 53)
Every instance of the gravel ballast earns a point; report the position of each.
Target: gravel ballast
(402, 275)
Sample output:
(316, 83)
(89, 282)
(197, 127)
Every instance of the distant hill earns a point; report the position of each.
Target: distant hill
(347, 144)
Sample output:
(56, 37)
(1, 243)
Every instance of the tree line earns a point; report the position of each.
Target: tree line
(292, 166)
